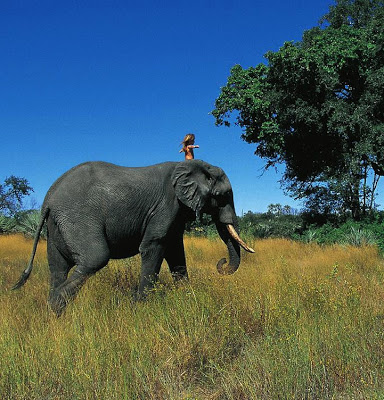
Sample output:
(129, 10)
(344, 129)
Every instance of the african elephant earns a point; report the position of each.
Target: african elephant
(97, 211)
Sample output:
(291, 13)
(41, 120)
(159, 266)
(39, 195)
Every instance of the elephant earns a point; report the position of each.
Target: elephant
(99, 211)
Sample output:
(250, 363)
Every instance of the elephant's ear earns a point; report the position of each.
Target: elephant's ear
(192, 183)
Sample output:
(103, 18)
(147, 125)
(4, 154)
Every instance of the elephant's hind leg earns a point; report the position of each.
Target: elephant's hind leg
(88, 263)
(59, 267)
(60, 297)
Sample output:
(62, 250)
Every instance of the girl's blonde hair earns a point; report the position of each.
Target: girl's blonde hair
(188, 138)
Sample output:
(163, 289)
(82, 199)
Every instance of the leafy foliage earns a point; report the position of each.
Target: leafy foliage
(12, 192)
(317, 106)
(349, 233)
(7, 224)
(203, 226)
(27, 223)
(274, 224)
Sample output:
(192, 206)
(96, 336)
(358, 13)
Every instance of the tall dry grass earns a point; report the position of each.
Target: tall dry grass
(297, 321)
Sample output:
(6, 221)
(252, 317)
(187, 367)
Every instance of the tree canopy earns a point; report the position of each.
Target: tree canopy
(12, 192)
(317, 106)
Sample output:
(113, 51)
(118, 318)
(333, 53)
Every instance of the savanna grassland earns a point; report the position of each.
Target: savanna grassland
(297, 321)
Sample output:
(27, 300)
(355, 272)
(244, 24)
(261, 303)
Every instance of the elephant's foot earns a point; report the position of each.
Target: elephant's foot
(139, 296)
(180, 276)
(57, 303)
(61, 296)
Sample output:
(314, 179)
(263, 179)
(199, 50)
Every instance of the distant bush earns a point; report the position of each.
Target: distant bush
(202, 227)
(350, 233)
(7, 224)
(296, 226)
(25, 222)
(270, 225)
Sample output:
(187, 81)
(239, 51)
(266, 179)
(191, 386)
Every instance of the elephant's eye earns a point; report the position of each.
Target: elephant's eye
(222, 198)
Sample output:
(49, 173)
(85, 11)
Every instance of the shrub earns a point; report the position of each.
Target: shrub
(7, 224)
(28, 221)
(359, 237)
(268, 225)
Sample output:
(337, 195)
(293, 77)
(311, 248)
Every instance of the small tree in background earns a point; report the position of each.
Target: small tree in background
(12, 193)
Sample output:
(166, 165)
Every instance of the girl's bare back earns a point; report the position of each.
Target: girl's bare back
(188, 146)
(189, 155)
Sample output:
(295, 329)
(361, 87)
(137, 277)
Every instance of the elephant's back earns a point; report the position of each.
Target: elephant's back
(100, 186)
(102, 171)
(76, 179)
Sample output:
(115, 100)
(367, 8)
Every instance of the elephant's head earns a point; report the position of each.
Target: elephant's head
(205, 188)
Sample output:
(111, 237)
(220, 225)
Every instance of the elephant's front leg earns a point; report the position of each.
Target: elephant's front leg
(152, 255)
(175, 257)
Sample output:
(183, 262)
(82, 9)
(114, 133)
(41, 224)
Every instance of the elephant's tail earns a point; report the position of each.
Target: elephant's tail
(25, 275)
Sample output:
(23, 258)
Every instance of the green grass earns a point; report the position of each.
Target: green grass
(297, 321)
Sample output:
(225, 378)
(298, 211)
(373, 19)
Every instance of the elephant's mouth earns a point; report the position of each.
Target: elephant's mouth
(235, 236)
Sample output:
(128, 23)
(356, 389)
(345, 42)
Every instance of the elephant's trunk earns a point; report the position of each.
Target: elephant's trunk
(231, 238)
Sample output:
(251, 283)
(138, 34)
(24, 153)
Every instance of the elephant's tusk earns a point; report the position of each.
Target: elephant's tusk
(234, 234)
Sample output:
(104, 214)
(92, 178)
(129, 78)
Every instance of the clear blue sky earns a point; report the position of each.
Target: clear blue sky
(124, 81)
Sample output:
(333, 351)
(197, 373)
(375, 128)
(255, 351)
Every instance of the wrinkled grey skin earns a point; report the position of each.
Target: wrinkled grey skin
(99, 211)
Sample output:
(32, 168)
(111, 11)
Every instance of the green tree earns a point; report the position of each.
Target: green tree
(318, 107)
(12, 193)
